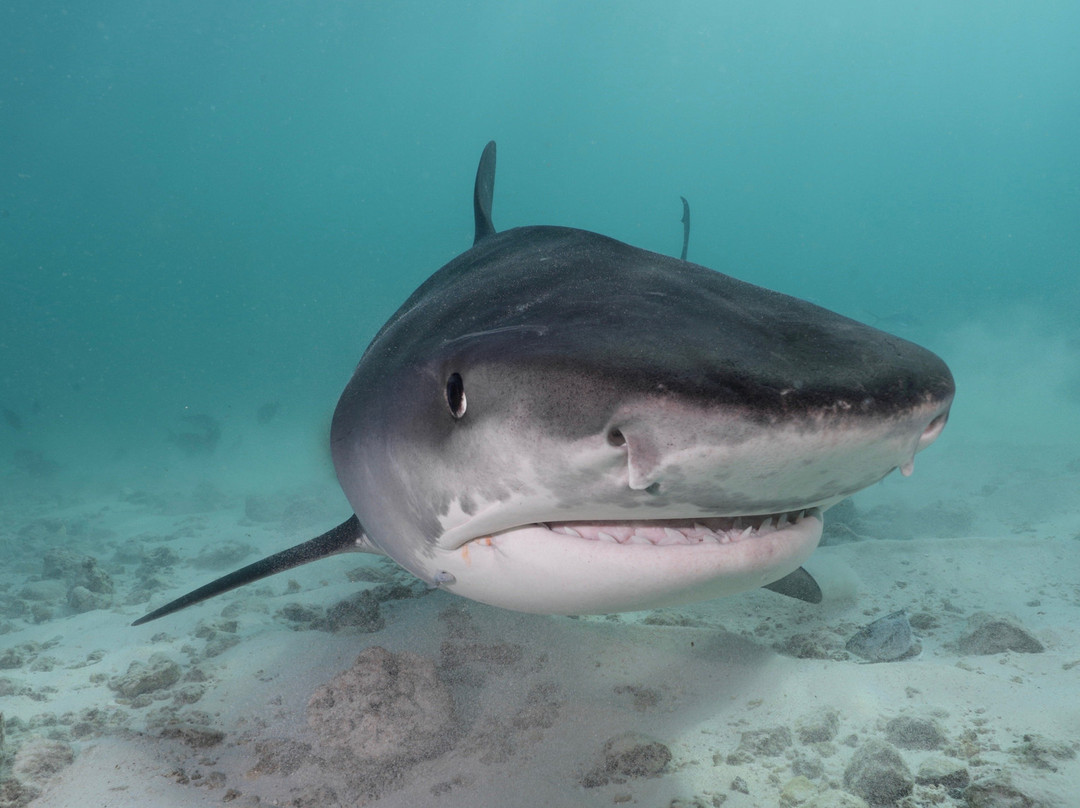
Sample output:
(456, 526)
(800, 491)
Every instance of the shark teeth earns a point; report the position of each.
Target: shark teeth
(660, 533)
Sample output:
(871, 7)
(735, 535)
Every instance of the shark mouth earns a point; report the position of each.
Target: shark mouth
(605, 566)
(663, 533)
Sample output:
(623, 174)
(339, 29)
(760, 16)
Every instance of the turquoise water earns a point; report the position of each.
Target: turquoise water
(207, 210)
(212, 207)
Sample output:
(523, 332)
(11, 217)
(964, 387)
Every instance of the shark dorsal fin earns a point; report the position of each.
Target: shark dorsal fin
(685, 226)
(484, 193)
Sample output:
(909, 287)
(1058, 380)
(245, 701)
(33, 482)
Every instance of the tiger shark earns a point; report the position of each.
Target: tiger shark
(558, 422)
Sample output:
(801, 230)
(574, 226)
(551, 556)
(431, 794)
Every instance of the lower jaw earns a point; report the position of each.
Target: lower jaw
(540, 570)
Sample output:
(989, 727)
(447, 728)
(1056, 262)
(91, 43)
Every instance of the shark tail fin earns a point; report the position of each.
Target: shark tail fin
(346, 537)
(484, 193)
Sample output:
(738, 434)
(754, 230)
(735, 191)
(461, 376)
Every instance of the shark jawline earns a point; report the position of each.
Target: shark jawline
(605, 566)
(665, 531)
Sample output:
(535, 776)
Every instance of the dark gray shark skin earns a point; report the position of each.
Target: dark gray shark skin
(558, 422)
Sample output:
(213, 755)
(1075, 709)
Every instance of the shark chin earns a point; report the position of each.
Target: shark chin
(623, 565)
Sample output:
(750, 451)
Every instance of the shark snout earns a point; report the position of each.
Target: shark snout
(720, 460)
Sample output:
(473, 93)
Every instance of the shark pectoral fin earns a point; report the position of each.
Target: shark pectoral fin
(799, 584)
(347, 537)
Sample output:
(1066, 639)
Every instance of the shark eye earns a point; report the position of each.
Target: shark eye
(455, 395)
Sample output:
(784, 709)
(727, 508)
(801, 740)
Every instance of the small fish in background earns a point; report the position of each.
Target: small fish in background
(202, 436)
(12, 418)
(887, 639)
(267, 412)
(35, 464)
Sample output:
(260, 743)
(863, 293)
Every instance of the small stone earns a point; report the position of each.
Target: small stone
(887, 639)
(810, 767)
(1040, 752)
(997, 791)
(279, 756)
(11, 606)
(760, 742)
(644, 698)
(797, 791)
(157, 559)
(541, 708)
(454, 655)
(141, 678)
(385, 713)
(909, 732)
(818, 727)
(11, 658)
(360, 611)
(220, 644)
(48, 591)
(188, 694)
(630, 754)
(635, 755)
(221, 555)
(193, 735)
(15, 793)
(44, 664)
(76, 570)
(923, 621)
(996, 635)
(82, 599)
(39, 760)
(941, 771)
(300, 613)
(806, 646)
(878, 773)
(835, 799)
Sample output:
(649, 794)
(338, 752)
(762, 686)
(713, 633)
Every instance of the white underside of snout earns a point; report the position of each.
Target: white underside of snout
(602, 568)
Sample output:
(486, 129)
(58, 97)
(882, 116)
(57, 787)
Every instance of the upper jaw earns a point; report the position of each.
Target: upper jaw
(666, 532)
(659, 531)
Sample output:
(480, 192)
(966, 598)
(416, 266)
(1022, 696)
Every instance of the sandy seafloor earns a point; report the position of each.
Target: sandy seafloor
(739, 691)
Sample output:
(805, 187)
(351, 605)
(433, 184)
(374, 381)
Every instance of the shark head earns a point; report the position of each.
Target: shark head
(558, 422)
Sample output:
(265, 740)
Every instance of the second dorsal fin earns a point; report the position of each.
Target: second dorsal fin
(484, 192)
(685, 226)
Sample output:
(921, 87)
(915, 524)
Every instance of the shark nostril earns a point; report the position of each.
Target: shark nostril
(615, 437)
(933, 429)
